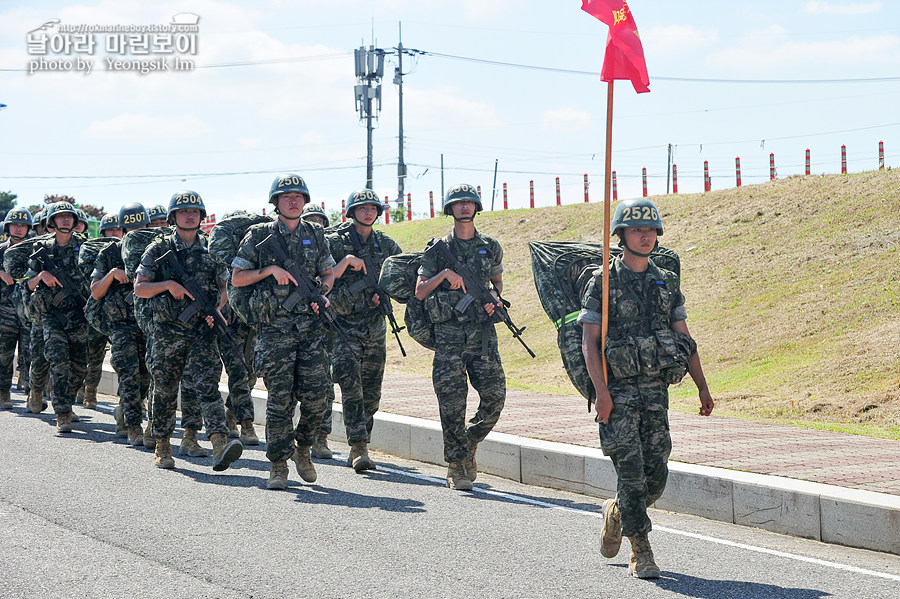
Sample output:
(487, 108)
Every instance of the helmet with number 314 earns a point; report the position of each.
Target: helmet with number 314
(636, 213)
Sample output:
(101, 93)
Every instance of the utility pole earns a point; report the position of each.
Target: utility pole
(669, 170)
(398, 80)
(369, 65)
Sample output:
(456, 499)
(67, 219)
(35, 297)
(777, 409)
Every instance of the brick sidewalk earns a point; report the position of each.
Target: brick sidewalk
(840, 459)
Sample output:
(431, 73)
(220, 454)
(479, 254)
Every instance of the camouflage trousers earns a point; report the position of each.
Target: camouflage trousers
(638, 443)
(9, 337)
(179, 354)
(358, 367)
(96, 352)
(294, 367)
(326, 424)
(237, 366)
(24, 360)
(459, 353)
(127, 356)
(65, 347)
(40, 367)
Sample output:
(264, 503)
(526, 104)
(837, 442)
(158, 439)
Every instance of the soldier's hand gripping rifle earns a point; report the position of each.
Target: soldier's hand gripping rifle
(477, 290)
(369, 281)
(70, 288)
(201, 303)
(306, 290)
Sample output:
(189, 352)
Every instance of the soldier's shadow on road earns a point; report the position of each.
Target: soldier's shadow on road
(316, 494)
(705, 588)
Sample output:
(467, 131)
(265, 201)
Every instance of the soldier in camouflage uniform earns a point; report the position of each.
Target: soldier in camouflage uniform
(157, 216)
(111, 286)
(39, 371)
(316, 215)
(359, 356)
(16, 227)
(466, 343)
(290, 348)
(97, 341)
(648, 347)
(180, 347)
(62, 310)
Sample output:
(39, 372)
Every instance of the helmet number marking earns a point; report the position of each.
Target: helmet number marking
(132, 218)
(639, 213)
(289, 181)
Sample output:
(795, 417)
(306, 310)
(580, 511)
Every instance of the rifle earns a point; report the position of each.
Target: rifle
(477, 290)
(201, 303)
(306, 290)
(70, 288)
(369, 281)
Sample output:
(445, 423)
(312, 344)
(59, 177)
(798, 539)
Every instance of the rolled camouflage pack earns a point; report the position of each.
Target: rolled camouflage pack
(15, 263)
(562, 270)
(224, 241)
(133, 246)
(398, 278)
(87, 256)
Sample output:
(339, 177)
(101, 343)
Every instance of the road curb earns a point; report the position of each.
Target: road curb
(826, 513)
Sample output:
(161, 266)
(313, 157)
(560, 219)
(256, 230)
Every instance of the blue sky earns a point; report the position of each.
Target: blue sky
(227, 131)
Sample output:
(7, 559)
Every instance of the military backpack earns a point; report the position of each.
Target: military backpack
(224, 241)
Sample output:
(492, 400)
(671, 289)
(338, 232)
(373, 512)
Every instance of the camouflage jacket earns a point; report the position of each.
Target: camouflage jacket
(357, 306)
(483, 254)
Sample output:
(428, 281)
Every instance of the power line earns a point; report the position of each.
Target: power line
(656, 78)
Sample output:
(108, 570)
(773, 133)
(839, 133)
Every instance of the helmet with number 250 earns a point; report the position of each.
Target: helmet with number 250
(287, 183)
(461, 193)
(361, 197)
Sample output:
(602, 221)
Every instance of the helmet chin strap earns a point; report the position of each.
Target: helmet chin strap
(624, 245)
(180, 228)
(464, 219)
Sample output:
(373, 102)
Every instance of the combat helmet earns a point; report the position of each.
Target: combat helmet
(83, 217)
(361, 197)
(462, 192)
(314, 210)
(182, 200)
(17, 216)
(57, 208)
(155, 212)
(133, 215)
(639, 212)
(287, 183)
(109, 221)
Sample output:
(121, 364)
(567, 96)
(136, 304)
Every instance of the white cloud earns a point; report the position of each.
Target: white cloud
(139, 127)
(819, 7)
(447, 108)
(672, 39)
(566, 119)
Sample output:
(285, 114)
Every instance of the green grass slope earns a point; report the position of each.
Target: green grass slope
(792, 286)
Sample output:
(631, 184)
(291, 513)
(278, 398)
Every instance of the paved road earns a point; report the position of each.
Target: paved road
(84, 515)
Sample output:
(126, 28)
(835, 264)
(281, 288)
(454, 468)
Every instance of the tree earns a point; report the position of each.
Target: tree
(7, 201)
(94, 211)
(50, 199)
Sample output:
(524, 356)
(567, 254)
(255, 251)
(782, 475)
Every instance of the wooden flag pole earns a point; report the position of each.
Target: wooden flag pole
(607, 186)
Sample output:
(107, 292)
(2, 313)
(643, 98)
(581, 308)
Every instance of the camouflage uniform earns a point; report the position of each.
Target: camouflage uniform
(97, 341)
(238, 366)
(9, 329)
(128, 346)
(290, 346)
(180, 349)
(35, 369)
(65, 329)
(642, 306)
(358, 360)
(465, 344)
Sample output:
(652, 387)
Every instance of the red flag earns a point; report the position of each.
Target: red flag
(624, 53)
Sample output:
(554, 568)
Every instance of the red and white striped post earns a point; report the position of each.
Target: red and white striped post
(881, 155)
(343, 210)
(409, 206)
(505, 199)
(644, 180)
(264, 211)
(737, 169)
(558, 199)
(843, 159)
(706, 175)
(586, 198)
(431, 202)
(771, 166)
(807, 161)
(531, 193)
(479, 191)
(615, 188)
(674, 178)
(323, 204)
(387, 211)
